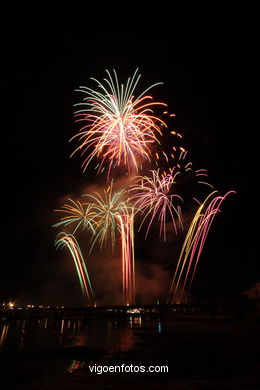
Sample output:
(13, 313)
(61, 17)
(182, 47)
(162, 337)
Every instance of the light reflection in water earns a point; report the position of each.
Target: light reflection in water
(4, 333)
(109, 329)
(159, 326)
(75, 328)
(22, 335)
(62, 327)
(126, 340)
(112, 334)
(61, 331)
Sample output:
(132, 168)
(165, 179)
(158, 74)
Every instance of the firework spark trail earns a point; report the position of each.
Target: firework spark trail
(178, 156)
(154, 198)
(126, 223)
(105, 209)
(116, 125)
(193, 245)
(112, 215)
(202, 172)
(76, 213)
(192, 234)
(64, 239)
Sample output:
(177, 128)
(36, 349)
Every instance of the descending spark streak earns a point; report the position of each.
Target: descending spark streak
(112, 214)
(154, 197)
(117, 127)
(193, 245)
(128, 271)
(64, 239)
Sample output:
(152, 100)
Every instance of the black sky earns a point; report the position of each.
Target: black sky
(208, 77)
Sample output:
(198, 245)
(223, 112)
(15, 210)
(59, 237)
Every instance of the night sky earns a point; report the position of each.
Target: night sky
(208, 77)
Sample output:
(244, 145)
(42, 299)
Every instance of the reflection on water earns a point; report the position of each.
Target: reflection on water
(43, 334)
(4, 334)
(159, 326)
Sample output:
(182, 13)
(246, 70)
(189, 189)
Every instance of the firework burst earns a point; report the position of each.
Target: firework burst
(77, 213)
(154, 197)
(105, 208)
(117, 127)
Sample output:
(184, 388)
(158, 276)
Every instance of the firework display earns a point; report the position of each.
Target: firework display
(120, 132)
